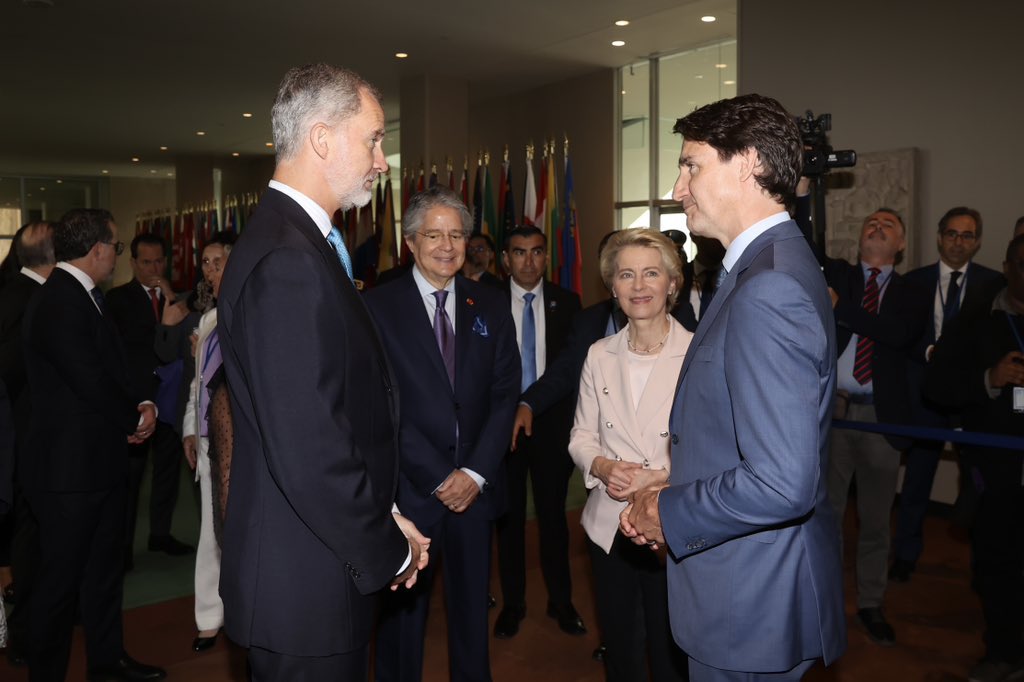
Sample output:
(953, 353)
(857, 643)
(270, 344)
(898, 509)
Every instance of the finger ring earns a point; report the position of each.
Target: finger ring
(651, 543)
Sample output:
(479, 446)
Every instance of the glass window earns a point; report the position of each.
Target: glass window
(684, 81)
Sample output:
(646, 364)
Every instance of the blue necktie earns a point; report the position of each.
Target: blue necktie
(444, 333)
(529, 351)
(335, 239)
(97, 296)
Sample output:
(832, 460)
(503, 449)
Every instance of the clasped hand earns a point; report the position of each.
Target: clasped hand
(622, 479)
(458, 491)
(640, 521)
(419, 544)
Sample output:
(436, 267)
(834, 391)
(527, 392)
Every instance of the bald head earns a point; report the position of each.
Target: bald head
(34, 247)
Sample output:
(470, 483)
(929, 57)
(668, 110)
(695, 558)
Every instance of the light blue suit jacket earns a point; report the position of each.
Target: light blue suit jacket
(755, 577)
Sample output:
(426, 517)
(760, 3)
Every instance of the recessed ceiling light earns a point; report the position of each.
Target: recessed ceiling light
(728, 82)
(401, 55)
(721, 66)
(163, 148)
(42, 189)
(707, 19)
(622, 22)
(105, 171)
(234, 153)
(170, 175)
(247, 115)
(618, 43)
(699, 76)
(135, 159)
(153, 171)
(200, 133)
(270, 144)
(623, 92)
(60, 182)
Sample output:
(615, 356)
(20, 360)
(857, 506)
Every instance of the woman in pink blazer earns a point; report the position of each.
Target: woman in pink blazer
(620, 442)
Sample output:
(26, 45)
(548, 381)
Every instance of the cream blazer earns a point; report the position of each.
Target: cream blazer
(607, 424)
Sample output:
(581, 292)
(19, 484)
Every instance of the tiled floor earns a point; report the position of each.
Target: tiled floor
(937, 620)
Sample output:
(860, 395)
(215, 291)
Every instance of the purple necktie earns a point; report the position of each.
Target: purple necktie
(444, 333)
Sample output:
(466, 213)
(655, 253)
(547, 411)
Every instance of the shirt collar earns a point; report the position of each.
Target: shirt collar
(884, 270)
(518, 291)
(740, 244)
(945, 270)
(314, 210)
(83, 279)
(425, 287)
(33, 275)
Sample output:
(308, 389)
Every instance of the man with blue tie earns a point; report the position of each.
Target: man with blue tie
(543, 313)
(754, 574)
(310, 535)
(452, 344)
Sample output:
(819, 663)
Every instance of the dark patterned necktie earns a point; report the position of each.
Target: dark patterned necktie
(952, 304)
(529, 343)
(865, 346)
(444, 333)
(155, 300)
(97, 296)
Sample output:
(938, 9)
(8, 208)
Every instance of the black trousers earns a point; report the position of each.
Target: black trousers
(545, 457)
(271, 666)
(80, 563)
(632, 610)
(165, 444)
(997, 540)
(24, 558)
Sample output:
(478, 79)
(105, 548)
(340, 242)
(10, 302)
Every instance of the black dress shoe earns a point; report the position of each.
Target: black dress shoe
(507, 625)
(126, 669)
(900, 571)
(15, 657)
(599, 653)
(169, 545)
(204, 643)
(878, 628)
(568, 620)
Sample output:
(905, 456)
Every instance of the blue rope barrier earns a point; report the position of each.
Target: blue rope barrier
(985, 440)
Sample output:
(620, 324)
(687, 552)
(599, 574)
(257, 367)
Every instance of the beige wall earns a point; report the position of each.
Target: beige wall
(581, 108)
(896, 75)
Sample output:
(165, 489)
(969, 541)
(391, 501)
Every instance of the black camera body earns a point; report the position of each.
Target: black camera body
(819, 157)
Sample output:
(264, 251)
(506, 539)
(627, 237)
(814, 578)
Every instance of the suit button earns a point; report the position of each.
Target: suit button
(663, 434)
(675, 439)
(604, 390)
(608, 424)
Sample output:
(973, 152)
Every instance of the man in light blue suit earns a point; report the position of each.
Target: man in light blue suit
(755, 578)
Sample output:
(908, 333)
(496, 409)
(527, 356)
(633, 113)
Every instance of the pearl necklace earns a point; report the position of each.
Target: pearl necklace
(650, 349)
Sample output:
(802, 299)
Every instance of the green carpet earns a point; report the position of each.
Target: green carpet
(158, 577)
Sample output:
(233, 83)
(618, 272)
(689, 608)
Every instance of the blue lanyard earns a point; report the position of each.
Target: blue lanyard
(212, 344)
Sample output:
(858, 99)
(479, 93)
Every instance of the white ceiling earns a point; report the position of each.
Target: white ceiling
(88, 84)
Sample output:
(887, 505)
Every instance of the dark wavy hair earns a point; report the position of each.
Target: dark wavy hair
(79, 229)
(751, 122)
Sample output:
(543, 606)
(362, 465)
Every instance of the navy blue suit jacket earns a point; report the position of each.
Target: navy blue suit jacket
(482, 404)
(309, 537)
(754, 576)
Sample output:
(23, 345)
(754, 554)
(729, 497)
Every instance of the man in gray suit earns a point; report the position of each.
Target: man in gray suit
(755, 578)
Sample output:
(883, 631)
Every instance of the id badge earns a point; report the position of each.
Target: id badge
(1018, 398)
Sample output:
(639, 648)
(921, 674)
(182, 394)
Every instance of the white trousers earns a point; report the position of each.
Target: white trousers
(209, 608)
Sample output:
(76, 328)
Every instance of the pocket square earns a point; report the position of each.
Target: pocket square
(480, 327)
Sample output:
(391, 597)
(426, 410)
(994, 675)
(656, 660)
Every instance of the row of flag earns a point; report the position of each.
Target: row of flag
(370, 232)
(188, 230)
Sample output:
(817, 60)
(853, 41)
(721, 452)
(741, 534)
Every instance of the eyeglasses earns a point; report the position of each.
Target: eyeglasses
(953, 235)
(118, 247)
(435, 237)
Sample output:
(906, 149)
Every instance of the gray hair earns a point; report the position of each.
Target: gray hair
(437, 196)
(314, 91)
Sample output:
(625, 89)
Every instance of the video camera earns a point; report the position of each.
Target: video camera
(819, 157)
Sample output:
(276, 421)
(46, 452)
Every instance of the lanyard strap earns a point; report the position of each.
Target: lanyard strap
(1016, 334)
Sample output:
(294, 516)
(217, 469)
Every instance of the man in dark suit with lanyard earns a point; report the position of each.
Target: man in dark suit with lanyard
(543, 313)
(310, 537)
(452, 343)
(136, 309)
(961, 287)
(77, 477)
